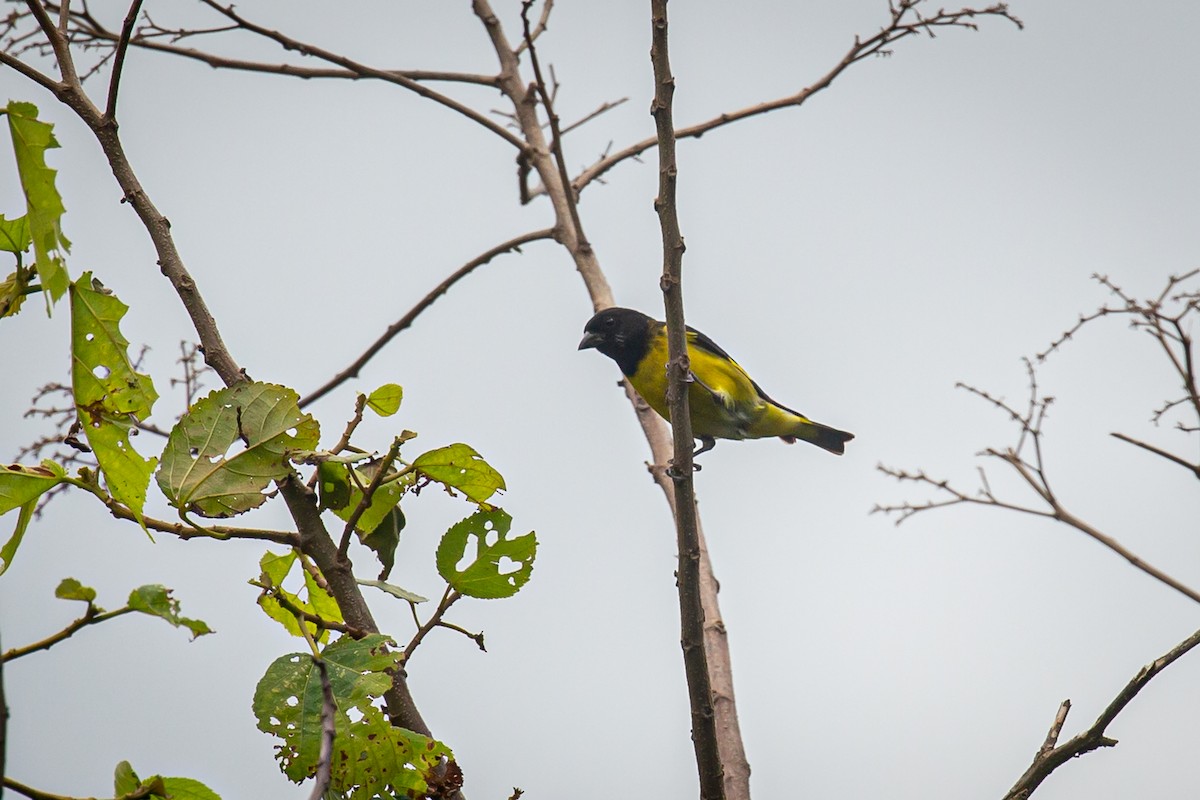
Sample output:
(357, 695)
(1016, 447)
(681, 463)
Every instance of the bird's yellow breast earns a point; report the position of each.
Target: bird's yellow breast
(723, 402)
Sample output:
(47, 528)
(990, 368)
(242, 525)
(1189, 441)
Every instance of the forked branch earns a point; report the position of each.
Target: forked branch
(1051, 755)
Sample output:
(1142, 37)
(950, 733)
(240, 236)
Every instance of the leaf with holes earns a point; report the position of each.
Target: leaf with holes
(288, 699)
(224, 453)
(377, 759)
(460, 467)
(108, 391)
(500, 567)
(31, 138)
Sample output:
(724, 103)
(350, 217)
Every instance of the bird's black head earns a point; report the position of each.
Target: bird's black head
(622, 334)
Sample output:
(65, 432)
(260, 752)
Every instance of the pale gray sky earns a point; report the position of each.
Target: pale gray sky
(930, 218)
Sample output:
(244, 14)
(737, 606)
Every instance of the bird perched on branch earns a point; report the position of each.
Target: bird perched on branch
(724, 402)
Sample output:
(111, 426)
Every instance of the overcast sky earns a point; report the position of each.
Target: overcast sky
(931, 218)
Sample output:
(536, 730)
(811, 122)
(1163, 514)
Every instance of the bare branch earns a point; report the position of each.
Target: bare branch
(512, 245)
(607, 106)
(92, 616)
(45, 81)
(1034, 475)
(449, 598)
(691, 608)
(556, 145)
(328, 733)
(306, 49)
(1194, 468)
(905, 22)
(110, 111)
(539, 29)
(1050, 757)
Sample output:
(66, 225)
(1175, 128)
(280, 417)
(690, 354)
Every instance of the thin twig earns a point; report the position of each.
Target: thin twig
(1193, 468)
(899, 28)
(512, 245)
(368, 494)
(449, 598)
(556, 143)
(607, 106)
(110, 110)
(328, 732)
(93, 616)
(539, 29)
(288, 43)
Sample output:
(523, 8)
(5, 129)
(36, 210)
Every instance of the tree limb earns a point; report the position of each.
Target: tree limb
(904, 23)
(93, 616)
(512, 245)
(691, 610)
(1050, 757)
(303, 48)
(114, 81)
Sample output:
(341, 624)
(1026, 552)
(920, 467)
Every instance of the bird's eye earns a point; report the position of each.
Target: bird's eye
(610, 322)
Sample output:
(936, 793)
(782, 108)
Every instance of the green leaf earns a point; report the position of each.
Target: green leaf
(500, 567)
(385, 538)
(288, 699)
(31, 139)
(188, 789)
(109, 391)
(384, 499)
(318, 601)
(9, 550)
(14, 234)
(333, 485)
(126, 783)
(395, 591)
(224, 453)
(460, 467)
(125, 780)
(20, 487)
(20, 484)
(385, 400)
(156, 601)
(71, 589)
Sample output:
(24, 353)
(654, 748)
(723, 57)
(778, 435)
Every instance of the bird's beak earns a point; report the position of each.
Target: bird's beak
(589, 340)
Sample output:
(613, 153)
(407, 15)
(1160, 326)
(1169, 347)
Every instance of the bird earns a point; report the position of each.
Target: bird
(723, 400)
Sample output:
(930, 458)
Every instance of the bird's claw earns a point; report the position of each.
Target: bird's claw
(675, 474)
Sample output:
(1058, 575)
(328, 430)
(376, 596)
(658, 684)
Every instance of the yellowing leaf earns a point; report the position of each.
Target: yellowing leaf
(224, 453)
(385, 400)
(12, 292)
(317, 601)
